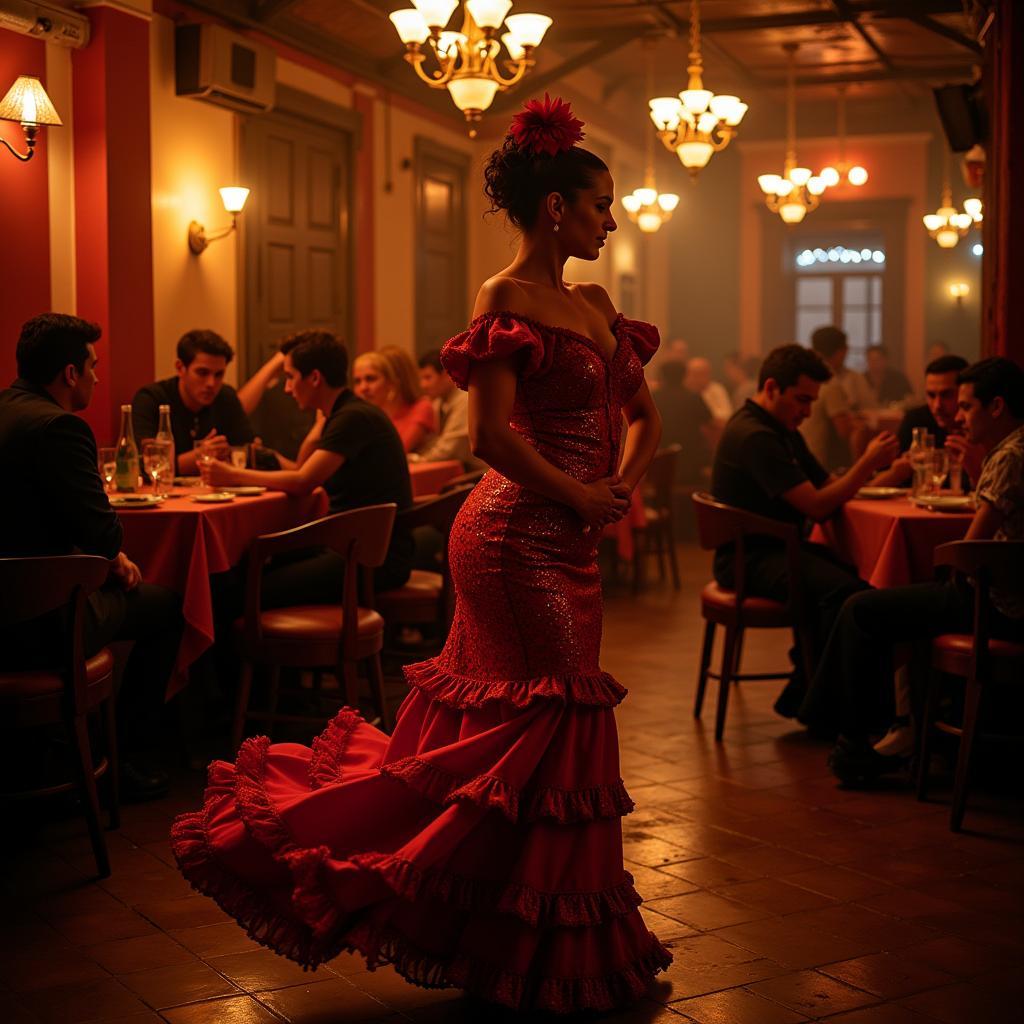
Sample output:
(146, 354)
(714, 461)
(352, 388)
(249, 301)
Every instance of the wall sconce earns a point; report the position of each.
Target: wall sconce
(959, 290)
(26, 102)
(234, 199)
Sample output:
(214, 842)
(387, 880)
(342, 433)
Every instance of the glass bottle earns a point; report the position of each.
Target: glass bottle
(126, 475)
(919, 453)
(164, 433)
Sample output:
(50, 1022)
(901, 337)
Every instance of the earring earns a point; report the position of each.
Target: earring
(555, 228)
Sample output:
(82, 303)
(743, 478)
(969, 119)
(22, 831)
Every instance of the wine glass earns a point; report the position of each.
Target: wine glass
(108, 467)
(205, 456)
(156, 460)
(938, 469)
(239, 455)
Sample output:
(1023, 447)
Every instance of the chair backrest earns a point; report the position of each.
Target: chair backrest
(661, 475)
(719, 524)
(33, 587)
(438, 511)
(471, 479)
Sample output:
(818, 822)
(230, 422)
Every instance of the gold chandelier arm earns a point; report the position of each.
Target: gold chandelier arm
(437, 80)
(522, 66)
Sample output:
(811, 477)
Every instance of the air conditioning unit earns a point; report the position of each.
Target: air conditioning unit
(45, 21)
(214, 64)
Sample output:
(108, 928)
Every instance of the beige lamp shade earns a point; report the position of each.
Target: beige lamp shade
(26, 101)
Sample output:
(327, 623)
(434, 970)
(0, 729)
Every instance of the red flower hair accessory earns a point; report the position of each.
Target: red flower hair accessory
(546, 126)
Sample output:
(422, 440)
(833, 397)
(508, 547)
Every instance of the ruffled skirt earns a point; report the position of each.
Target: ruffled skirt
(478, 847)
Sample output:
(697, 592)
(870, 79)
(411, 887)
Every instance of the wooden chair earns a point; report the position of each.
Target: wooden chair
(317, 636)
(657, 536)
(470, 479)
(427, 599)
(66, 694)
(980, 658)
(719, 524)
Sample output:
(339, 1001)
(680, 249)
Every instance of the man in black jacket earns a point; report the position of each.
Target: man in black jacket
(61, 508)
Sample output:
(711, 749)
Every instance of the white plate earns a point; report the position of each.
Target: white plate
(134, 501)
(882, 492)
(216, 498)
(946, 503)
(249, 491)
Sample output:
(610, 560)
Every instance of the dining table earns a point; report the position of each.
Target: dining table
(892, 541)
(430, 477)
(184, 541)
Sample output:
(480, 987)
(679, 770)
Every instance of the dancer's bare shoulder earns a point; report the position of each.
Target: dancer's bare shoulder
(500, 294)
(595, 295)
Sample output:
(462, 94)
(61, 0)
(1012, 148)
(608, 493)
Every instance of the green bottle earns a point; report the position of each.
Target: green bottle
(126, 475)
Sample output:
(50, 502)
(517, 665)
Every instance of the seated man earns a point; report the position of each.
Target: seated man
(62, 509)
(355, 453)
(763, 465)
(854, 679)
(700, 381)
(685, 420)
(203, 407)
(887, 384)
(451, 408)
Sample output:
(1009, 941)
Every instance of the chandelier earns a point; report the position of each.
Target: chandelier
(797, 191)
(842, 171)
(467, 61)
(947, 225)
(697, 123)
(648, 208)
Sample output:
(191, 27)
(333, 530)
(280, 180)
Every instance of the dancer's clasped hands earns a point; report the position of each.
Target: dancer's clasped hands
(603, 501)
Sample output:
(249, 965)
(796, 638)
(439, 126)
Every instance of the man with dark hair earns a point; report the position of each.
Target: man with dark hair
(852, 689)
(831, 422)
(203, 407)
(686, 420)
(354, 452)
(887, 384)
(61, 509)
(451, 407)
(763, 465)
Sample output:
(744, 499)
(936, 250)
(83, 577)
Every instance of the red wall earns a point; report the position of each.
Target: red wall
(24, 208)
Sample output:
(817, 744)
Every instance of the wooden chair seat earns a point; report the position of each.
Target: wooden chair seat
(417, 602)
(315, 623)
(721, 605)
(952, 652)
(32, 684)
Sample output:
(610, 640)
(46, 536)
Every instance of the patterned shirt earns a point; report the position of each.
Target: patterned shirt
(1002, 485)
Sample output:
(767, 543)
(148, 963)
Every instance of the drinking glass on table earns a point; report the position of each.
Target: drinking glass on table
(156, 461)
(239, 455)
(108, 467)
(955, 458)
(205, 456)
(938, 469)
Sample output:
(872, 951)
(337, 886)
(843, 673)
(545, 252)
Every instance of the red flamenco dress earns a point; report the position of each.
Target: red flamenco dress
(480, 846)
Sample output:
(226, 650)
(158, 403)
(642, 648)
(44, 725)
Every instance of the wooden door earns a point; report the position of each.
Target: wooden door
(296, 253)
(442, 301)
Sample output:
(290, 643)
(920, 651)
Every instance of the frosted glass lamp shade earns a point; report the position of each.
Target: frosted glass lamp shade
(488, 13)
(932, 221)
(737, 115)
(973, 207)
(768, 183)
(962, 221)
(472, 94)
(792, 213)
(630, 203)
(830, 176)
(815, 185)
(947, 238)
(695, 154)
(665, 112)
(26, 101)
(799, 176)
(514, 47)
(725, 107)
(706, 122)
(436, 12)
(668, 201)
(784, 187)
(857, 175)
(233, 197)
(648, 222)
(529, 29)
(696, 100)
(410, 25)
(646, 195)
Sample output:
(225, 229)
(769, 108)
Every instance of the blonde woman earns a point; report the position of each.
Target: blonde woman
(387, 378)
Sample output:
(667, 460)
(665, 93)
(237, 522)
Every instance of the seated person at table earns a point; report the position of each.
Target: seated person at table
(853, 683)
(700, 382)
(384, 379)
(762, 464)
(686, 421)
(741, 373)
(357, 458)
(831, 423)
(49, 454)
(203, 407)
(887, 384)
(451, 409)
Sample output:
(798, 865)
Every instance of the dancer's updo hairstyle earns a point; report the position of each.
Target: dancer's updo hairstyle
(538, 157)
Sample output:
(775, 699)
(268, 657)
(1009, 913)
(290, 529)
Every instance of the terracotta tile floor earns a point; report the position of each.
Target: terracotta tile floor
(784, 898)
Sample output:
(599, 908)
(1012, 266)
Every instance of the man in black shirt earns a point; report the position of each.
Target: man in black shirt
(61, 509)
(763, 465)
(685, 420)
(355, 453)
(203, 407)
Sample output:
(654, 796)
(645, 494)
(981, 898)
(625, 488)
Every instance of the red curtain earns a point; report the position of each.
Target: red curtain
(1003, 268)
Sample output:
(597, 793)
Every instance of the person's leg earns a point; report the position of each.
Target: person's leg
(316, 577)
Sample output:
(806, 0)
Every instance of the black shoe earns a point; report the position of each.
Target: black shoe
(857, 763)
(787, 704)
(138, 784)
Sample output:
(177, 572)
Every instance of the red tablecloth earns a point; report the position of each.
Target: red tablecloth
(892, 542)
(430, 477)
(180, 544)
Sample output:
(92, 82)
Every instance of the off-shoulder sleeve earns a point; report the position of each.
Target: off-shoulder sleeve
(644, 337)
(494, 336)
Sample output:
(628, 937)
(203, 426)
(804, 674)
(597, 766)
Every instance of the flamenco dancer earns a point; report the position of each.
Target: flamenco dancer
(480, 846)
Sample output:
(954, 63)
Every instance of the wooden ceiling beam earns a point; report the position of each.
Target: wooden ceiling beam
(946, 32)
(850, 17)
(264, 10)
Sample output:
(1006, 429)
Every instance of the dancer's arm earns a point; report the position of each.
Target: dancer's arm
(492, 392)
(642, 436)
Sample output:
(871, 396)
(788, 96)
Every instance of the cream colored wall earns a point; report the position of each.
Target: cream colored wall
(194, 152)
(60, 170)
